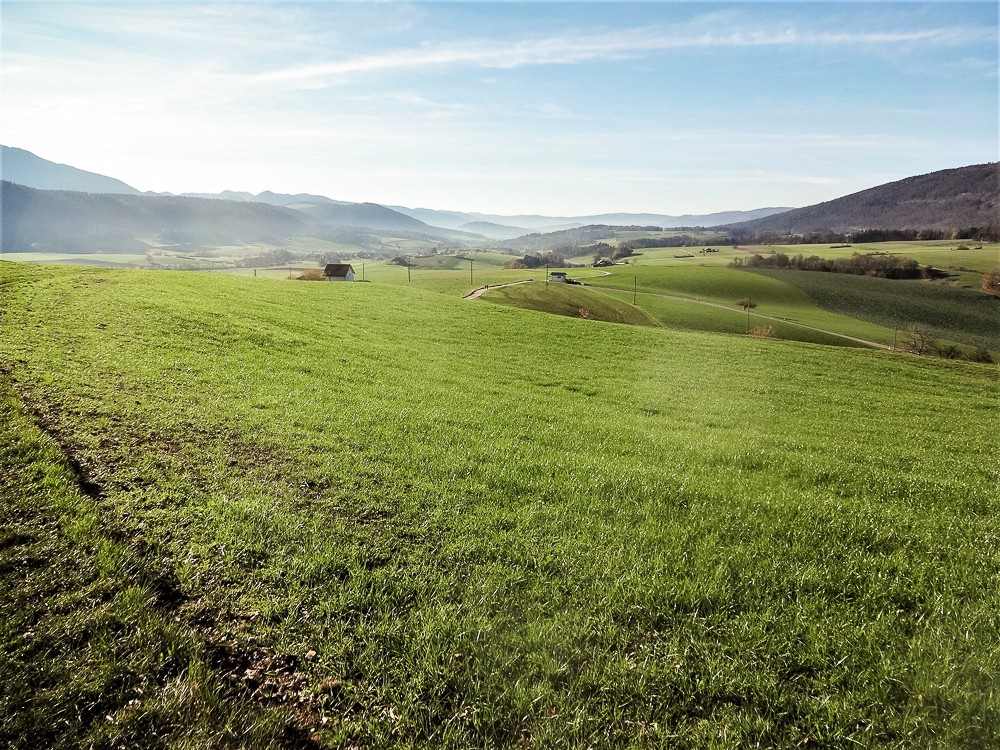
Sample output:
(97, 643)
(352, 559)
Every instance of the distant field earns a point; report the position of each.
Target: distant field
(255, 513)
(726, 286)
(943, 254)
(571, 301)
(954, 313)
(685, 256)
(687, 315)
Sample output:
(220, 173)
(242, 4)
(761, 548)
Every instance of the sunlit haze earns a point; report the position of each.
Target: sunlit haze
(552, 108)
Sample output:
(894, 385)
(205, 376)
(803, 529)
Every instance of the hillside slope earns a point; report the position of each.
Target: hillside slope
(405, 520)
(65, 221)
(377, 217)
(948, 199)
(24, 168)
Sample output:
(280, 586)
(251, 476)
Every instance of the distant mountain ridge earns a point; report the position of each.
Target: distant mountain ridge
(24, 168)
(535, 223)
(946, 199)
(60, 220)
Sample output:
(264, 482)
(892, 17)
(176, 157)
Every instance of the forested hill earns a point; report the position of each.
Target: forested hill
(44, 220)
(946, 200)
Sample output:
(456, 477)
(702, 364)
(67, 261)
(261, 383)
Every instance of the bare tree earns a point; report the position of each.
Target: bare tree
(918, 339)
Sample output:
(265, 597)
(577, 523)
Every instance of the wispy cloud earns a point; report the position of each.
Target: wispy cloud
(622, 44)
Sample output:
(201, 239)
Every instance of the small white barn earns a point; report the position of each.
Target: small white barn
(559, 276)
(338, 272)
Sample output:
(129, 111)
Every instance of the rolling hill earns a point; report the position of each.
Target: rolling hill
(66, 221)
(948, 199)
(376, 217)
(76, 222)
(239, 512)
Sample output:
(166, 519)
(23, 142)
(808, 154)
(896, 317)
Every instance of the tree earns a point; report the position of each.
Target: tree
(949, 351)
(980, 354)
(918, 339)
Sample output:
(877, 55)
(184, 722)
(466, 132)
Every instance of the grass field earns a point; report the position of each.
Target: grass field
(954, 313)
(787, 309)
(572, 301)
(942, 254)
(249, 512)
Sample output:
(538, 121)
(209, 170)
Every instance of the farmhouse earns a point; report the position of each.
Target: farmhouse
(559, 276)
(338, 272)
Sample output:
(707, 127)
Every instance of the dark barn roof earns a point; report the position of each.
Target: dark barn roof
(337, 269)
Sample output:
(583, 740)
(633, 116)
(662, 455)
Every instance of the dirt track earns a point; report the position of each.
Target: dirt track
(477, 293)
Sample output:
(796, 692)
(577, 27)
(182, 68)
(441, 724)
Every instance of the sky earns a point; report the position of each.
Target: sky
(555, 108)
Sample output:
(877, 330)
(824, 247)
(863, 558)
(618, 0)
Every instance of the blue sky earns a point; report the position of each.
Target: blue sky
(553, 108)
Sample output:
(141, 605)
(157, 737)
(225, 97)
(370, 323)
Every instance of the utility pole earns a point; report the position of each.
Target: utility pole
(546, 275)
(634, 278)
(362, 270)
(470, 270)
(747, 305)
(407, 272)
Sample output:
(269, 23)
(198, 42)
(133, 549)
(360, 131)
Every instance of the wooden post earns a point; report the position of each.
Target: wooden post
(634, 278)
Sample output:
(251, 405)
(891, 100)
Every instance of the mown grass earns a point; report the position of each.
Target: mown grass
(638, 537)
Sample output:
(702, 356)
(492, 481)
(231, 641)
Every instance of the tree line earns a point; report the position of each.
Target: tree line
(880, 265)
(548, 258)
(979, 234)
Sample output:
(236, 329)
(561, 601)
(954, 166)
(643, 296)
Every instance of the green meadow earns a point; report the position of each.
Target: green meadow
(669, 293)
(954, 313)
(248, 512)
(948, 255)
(572, 301)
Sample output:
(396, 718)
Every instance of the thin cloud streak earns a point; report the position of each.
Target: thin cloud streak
(564, 50)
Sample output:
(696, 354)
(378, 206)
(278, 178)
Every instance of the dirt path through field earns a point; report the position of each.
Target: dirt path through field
(866, 342)
(477, 293)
